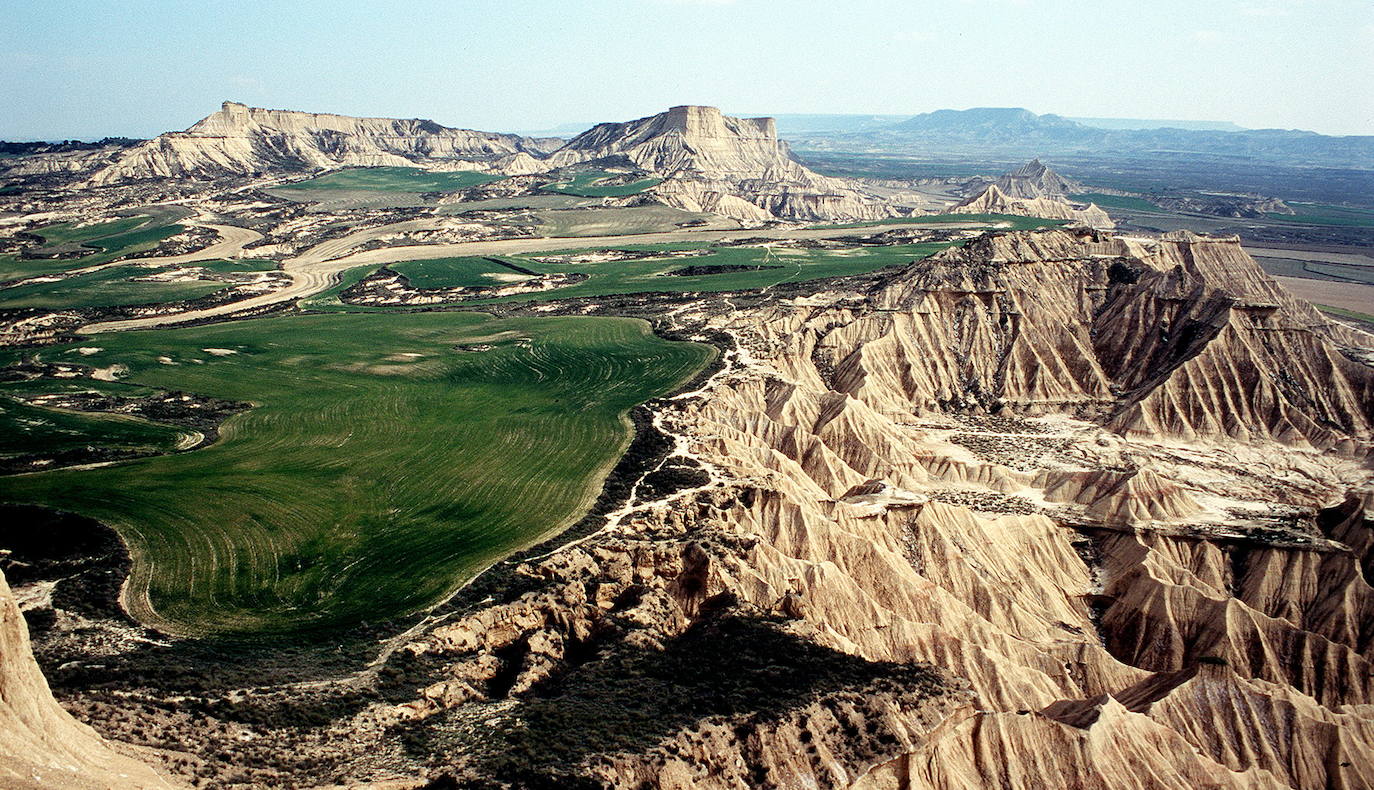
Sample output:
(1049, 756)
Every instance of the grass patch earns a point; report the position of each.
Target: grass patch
(1326, 214)
(469, 272)
(110, 287)
(395, 179)
(1354, 315)
(1118, 202)
(740, 268)
(592, 183)
(380, 466)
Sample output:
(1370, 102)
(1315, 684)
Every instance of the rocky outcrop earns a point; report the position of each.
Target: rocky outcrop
(1036, 180)
(993, 201)
(713, 162)
(242, 141)
(41, 745)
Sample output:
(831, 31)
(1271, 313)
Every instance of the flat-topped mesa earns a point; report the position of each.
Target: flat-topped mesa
(238, 140)
(234, 119)
(691, 138)
(695, 120)
(715, 162)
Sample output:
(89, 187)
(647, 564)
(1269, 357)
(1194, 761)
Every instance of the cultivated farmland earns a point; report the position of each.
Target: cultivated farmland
(599, 183)
(395, 179)
(123, 285)
(78, 246)
(387, 458)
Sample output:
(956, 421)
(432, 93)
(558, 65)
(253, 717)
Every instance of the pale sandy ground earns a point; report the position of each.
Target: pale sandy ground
(1351, 296)
(315, 270)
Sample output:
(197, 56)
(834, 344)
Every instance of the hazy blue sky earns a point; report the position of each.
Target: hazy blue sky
(139, 67)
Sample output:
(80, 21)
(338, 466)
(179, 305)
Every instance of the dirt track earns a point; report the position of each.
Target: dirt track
(315, 269)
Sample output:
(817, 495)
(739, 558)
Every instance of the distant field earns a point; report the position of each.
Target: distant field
(380, 466)
(589, 184)
(872, 165)
(117, 285)
(1117, 201)
(457, 273)
(1287, 267)
(1317, 270)
(618, 221)
(1353, 315)
(1013, 222)
(106, 241)
(1323, 214)
(524, 201)
(395, 179)
(332, 200)
(651, 274)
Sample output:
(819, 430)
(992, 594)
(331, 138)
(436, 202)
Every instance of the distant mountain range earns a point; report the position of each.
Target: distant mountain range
(1146, 123)
(1013, 131)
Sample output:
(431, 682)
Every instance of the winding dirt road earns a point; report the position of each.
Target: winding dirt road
(318, 268)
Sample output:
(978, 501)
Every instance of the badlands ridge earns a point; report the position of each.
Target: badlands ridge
(1087, 510)
(1052, 508)
(707, 161)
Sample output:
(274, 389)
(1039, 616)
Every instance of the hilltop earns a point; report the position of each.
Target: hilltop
(1016, 131)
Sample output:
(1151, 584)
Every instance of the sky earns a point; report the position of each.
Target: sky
(86, 69)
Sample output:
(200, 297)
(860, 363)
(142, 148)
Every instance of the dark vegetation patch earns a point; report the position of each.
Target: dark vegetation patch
(696, 271)
(42, 147)
(86, 559)
(675, 475)
(628, 698)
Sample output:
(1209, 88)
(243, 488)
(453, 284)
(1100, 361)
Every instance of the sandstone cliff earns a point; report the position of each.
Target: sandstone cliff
(239, 141)
(993, 201)
(42, 745)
